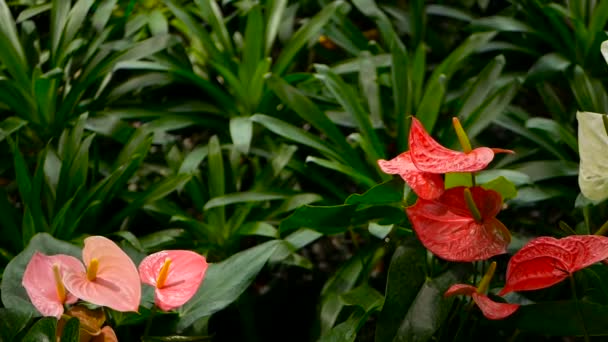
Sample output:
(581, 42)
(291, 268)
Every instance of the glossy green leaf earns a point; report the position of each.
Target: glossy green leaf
(304, 35)
(308, 111)
(224, 283)
(242, 197)
(273, 20)
(296, 134)
(354, 174)
(350, 101)
(483, 85)
(365, 297)
(503, 186)
(429, 309)
(342, 281)
(388, 192)
(241, 132)
(12, 322)
(405, 277)
(561, 318)
(71, 330)
(345, 331)
(325, 219)
(43, 331)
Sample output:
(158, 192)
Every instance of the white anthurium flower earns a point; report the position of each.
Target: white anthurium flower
(592, 146)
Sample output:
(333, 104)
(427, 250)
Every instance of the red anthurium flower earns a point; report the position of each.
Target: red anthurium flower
(110, 278)
(426, 185)
(489, 308)
(176, 276)
(421, 167)
(43, 283)
(449, 229)
(429, 156)
(545, 261)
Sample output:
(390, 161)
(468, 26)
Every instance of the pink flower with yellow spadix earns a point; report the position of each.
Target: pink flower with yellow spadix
(176, 276)
(43, 282)
(109, 279)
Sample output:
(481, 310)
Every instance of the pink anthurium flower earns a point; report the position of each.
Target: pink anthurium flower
(43, 282)
(421, 167)
(454, 229)
(546, 261)
(489, 308)
(110, 278)
(176, 276)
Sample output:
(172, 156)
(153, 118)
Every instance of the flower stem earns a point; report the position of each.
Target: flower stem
(603, 229)
(149, 323)
(578, 309)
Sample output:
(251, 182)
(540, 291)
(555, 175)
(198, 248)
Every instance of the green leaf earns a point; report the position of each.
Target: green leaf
(593, 144)
(12, 322)
(429, 309)
(32, 12)
(505, 24)
(42, 331)
(455, 179)
(258, 228)
(13, 294)
(562, 318)
(385, 193)
(224, 283)
(343, 281)
(154, 193)
(345, 331)
(365, 297)
(241, 132)
(71, 331)
(546, 66)
(503, 186)
(405, 277)
(242, 197)
(216, 180)
(354, 174)
(349, 100)
(308, 111)
(273, 21)
(157, 22)
(11, 51)
(325, 219)
(10, 125)
(430, 105)
(210, 11)
(296, 134)
(483, 85)
(308, 31)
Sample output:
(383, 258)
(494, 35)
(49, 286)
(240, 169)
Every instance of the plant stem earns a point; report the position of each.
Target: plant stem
(578, 309)
(149, 323)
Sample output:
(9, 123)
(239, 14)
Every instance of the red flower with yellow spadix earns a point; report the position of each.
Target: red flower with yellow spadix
(461, 225)
(109, 279)
(421, 167)
(176, 276)
(546, 261)
(490, 309)
(43, 282)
